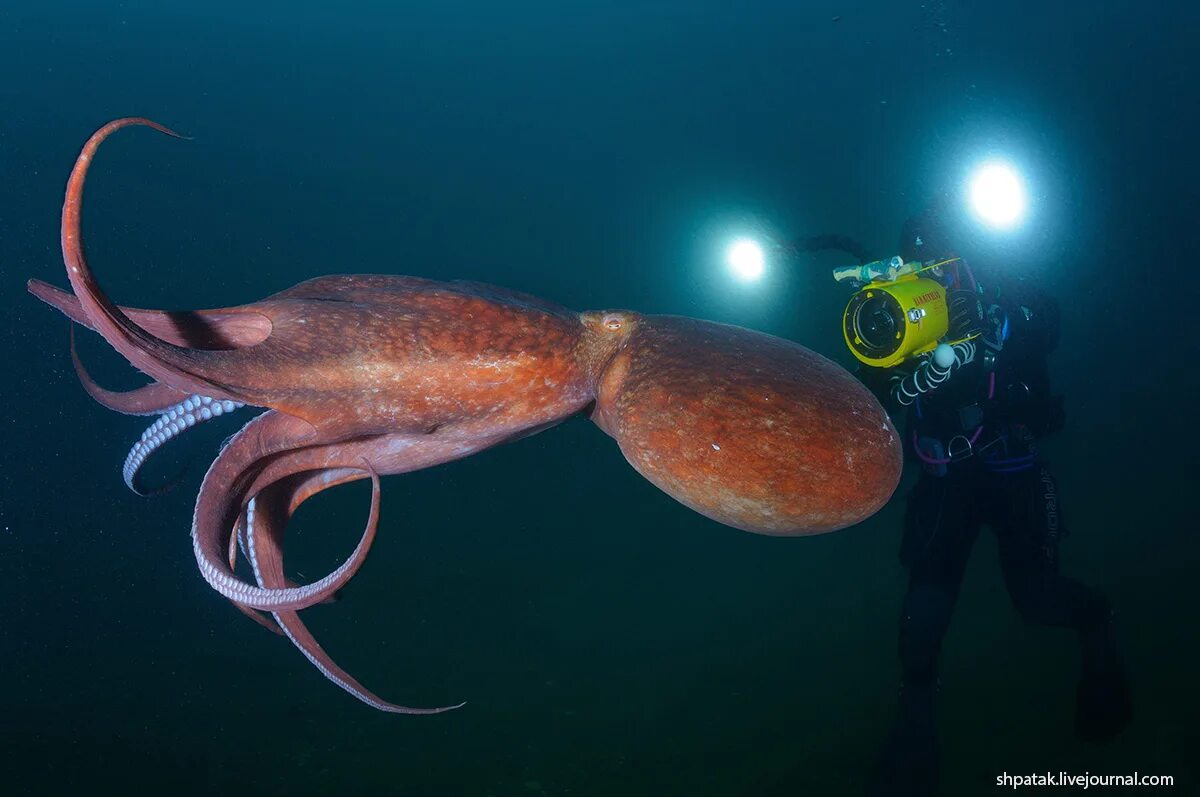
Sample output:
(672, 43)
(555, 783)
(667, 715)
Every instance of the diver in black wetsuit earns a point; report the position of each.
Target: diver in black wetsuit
(974, 434)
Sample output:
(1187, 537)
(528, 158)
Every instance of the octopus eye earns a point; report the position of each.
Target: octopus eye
(612, 322)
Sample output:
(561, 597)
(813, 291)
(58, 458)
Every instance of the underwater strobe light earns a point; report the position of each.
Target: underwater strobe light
(886, 323)
(997, 195)
(746, 259)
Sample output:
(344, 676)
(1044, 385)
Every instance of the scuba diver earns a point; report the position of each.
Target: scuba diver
(966, 361)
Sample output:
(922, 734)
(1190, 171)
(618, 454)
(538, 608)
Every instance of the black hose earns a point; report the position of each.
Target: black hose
(831, 241)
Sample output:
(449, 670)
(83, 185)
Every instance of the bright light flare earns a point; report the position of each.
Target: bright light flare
(746, 260)
(997, 195)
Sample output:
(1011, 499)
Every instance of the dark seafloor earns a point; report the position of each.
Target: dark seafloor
(609, 641)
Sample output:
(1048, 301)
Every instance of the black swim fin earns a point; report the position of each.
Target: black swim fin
(907, 765)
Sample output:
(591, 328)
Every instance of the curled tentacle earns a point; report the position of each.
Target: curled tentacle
(275, 446)
(175, 420)
(177, 413)
(265, 519)
(240, 537)
(306, 484)
(222, 496)
(184, 369)
(146, 400)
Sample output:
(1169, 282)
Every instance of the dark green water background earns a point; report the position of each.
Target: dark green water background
(609, 641)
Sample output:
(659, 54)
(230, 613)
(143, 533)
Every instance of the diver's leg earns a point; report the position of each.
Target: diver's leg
(939, 531)
(1028, 526)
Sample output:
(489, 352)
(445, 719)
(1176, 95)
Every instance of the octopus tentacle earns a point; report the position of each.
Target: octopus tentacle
(306, 484)
(175, 420)
(265, 620)
(224, 492)
(221, 329)
(276, 445)
(146, 400)
(184, 369)
(265, 518)
(177, 413)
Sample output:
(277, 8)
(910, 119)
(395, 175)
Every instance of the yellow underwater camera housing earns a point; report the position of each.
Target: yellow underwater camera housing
(890, 321)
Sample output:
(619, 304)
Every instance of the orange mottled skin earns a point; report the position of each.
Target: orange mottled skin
(750, 430)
